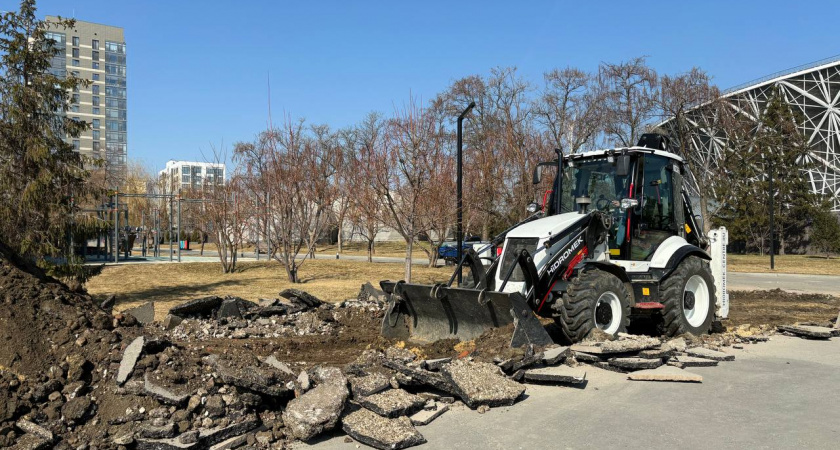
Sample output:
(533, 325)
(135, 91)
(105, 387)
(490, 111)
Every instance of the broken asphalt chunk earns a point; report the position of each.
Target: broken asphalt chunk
(301, 297)
(808, 331)
(700, 352)
(555, 355)
(129, 359)
(426, 416)
(379, 432)
(435, 364)
(369, 384)
(144, 313)
(635, 363)
(315, 411)
(264, 380)
(482, 384)
(199, 307)
(557, 374)
(392, 403)
(691, 361)
(665, 373)
(162, 394)
(420, 377)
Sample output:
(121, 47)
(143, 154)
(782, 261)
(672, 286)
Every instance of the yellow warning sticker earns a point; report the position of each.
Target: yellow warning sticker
(615, 251)
(687, 228)
(645, 291)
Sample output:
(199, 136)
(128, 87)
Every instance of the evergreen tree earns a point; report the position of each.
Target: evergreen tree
(825, 232)
(42, 178)
(776, 149)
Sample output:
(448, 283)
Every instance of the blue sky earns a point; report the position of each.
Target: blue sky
(197, 71)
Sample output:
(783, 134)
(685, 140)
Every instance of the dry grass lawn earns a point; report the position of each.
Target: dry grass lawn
(170, 284)
(802, 264)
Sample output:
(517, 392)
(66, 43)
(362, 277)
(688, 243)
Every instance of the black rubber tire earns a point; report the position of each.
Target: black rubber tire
(672, 291)
(577, 314)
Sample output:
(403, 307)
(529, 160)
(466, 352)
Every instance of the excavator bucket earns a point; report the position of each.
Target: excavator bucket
(428, 313)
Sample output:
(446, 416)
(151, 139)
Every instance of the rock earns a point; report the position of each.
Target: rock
(190, 437)
(144, 313)
(558, 374)
(163, 444)
(837, 322)
(108, 303)
(426, 416)
(234, 442)
(329, 375)
(691, 361)
(228, 309)
(129, 359)
(76, 409)
(215, 406)
(369, 384)
(303, 381)
(302, 297)
(171, 321)
(199, 307)
(635, 363)
(483, 409)
(279, 365)
(665, 373)
(420, 377)
(162, 394)
(315, 411)
(379, 432)
(434, 364)
(123, 439)
(482, 384)
(808, 331)
(35, 430)
(705, 353)
(555, 355)
(392, 403)
(264, 437)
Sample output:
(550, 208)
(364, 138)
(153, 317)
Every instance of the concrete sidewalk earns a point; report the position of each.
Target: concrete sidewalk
(779, 394)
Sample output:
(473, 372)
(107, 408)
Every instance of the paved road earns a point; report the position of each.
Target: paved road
(780, 394)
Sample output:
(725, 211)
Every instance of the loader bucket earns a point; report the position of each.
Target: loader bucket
(428, 313)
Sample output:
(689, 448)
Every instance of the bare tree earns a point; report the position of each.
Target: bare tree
(366, 209)
(568, 109)
(629, 99)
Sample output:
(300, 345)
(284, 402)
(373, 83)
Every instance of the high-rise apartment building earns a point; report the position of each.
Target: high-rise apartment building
(96, 53)
(190, 175)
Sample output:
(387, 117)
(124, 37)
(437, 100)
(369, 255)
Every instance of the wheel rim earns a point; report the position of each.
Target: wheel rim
(608, 313)
(696, 301)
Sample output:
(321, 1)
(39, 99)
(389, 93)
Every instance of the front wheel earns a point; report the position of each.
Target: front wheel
(689, 298)
(594, 299)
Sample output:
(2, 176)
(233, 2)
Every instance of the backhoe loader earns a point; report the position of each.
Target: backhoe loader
(613, 241)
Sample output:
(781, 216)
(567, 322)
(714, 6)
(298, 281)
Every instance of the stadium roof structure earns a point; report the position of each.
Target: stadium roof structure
(814, 91)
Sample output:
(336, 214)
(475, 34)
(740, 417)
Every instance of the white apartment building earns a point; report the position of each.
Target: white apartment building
(185, 175)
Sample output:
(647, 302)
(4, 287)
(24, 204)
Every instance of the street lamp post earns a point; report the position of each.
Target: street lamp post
(459, 190)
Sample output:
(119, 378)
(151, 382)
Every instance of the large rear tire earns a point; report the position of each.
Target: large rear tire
(594, 299)
(689, 298)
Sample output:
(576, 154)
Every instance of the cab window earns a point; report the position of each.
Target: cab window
(655, 220)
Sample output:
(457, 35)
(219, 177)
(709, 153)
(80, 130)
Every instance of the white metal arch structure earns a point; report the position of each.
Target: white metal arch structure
(813, 91)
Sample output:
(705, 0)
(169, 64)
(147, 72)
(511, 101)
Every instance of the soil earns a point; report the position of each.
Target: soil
(778, 307)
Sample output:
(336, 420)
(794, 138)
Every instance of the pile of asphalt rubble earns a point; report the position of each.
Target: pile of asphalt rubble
(199, 379)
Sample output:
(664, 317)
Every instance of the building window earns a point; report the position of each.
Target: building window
(95, 110)
(96, 146)
(96, 77)
(74, 108)
(96, 124)
(75, 98)
(75, 73)
(95, 44)
(76, 144)
(95, 101)
(96, 135)
(94, 55)
(76, 63)
(75, 41)
(95, 89)
(95, 65)
(75, 52)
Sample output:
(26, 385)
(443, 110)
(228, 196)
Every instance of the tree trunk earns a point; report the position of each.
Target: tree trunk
(704, 214)
(408, 252)
(781, 241)
(370, 250)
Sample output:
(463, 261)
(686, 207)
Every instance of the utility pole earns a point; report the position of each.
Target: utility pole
(116, 227)
(170, 229)
(459, 191)
(179, 225)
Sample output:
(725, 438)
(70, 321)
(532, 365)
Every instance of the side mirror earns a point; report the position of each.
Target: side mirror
(622, 165)
(537, 174)
(533, 207)
(628, 203)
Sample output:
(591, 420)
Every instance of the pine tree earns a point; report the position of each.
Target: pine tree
(42, 178)
(825, 232)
